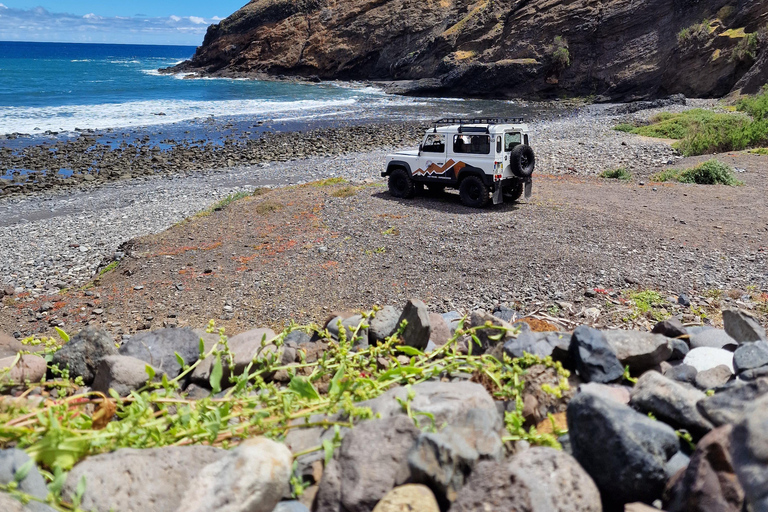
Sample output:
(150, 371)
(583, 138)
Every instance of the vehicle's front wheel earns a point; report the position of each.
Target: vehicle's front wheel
(473, 192)
(400, 184)
(512, 193)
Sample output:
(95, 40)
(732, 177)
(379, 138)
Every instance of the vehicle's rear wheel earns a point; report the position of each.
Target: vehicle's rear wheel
(512, 192)
(473, 192)
(522, 160)
(436, 188)
(401, 184)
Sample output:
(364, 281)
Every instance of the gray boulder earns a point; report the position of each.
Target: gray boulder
(713, 378)
(371, 461)
(83, 353)
(679, 349)
(713, 338)
(750, 355)
(490, 337)
(251, 478)
(639, 350)
(128, 479)
(729, 405)
(615, 392)
(11, 460)
(671, 328)
(742, 326)
(245, 347)
(670, 402)
(159, 348)
(416, 333)
(682, 373)
(594, 358)
(541, 344)
(384, 324)
(439, 332)
(624, 451)
(536, 480)
(123, 374)
(749, 450)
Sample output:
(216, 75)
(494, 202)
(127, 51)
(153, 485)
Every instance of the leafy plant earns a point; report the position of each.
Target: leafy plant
(697, 31)
(746, 49)
(617, 174)
(711, 172)
(561, 55)
(112, 266)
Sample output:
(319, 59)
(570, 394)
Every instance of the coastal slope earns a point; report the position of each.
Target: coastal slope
(618, 50)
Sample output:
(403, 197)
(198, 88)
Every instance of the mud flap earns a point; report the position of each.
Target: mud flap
(528, 189)
(497, 194)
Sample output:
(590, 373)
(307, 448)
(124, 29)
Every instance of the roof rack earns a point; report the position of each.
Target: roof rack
(478, 120)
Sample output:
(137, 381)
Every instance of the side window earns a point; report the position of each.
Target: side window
(511, 140)
(498, 144)
(475, 144)
(434, 143)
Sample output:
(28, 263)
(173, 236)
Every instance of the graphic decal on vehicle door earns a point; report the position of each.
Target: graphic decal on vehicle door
(435, 171)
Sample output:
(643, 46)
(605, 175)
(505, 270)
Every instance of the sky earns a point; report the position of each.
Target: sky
(181, 22)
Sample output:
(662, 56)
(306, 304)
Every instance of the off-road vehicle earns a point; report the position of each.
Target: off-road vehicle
(479, 157)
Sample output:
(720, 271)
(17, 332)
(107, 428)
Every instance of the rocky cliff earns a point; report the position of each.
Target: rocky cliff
(611, 49)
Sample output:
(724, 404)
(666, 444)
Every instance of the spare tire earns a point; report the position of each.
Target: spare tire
(522, 160)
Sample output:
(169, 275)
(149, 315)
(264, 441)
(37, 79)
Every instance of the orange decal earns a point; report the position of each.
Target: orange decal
(435, 170)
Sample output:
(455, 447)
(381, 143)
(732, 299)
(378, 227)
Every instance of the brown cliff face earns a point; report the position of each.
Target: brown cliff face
(613, 49)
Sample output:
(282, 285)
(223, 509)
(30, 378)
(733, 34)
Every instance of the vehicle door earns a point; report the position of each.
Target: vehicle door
(511, 139)
(432, 164)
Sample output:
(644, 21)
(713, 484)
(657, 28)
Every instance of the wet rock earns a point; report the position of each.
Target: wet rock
(728, 405)
(159, 348)
(27, 368)
(713, 378)
(594, 358)
(83, 353)
(750, 356)
(682, 373)
(384, 324)
(416, 333)
(749, 452)
(704, 358)
(536, 480)
(407, 497)
(742, 326)
(128, 479)
(123, 374)
(713, 338)
(671, 402)
(671, 328)
(11, 461)
(639, 350)
(250, 478)
(371, 461)
(624, 451)
(709, 482)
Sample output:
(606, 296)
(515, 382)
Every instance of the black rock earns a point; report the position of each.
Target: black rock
(83, 353)
(750, 355)
(506, 314)
(624, 451)
(159, 348)
(594, 358)
(728, 405)
(416, 333)
(679, 349)
(384, 323)
(683, 300)
(671, 328)
(530, 342)
(742, 326)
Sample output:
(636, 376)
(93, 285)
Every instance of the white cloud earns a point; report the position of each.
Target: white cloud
(38, 24)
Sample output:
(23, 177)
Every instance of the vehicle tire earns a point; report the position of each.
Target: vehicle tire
(436, 188)
(473, 192)
(513, 192)
(400, 184)
(522, 160)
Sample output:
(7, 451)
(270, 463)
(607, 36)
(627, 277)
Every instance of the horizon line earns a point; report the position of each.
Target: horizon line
(102, 44)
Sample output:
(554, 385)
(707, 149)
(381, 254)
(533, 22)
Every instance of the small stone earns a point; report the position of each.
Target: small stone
(595, 359)
(750, 355)
(11, 461)
(742, 326)
(415, 497)
(639, 350)
(28, 368)
(416, 333)
(682, 373)
(671, 328)
(122, 374)
(713, 378)
(384, 323)
(728, 405)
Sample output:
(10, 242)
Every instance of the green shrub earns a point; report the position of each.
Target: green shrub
(759, 151)
(697, 31)
(711, 172)
(746, 49)
(616, 174)
(625, 127)
(561, 56)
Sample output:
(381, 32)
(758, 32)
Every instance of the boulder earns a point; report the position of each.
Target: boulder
(83, 353)
(10, 346)
(384, 323)
(351, 325)
(489, 337)
(159, 348)
(536, 480)
(408, 497)
(624, 451)
(679, 349)
(416, 333)
(671, 328)
(529, 342)
(538, 401)
(682, 373)
(712, 338)
(594, 358)
(123, 374)
(128, 479)
(245, 347)
(251, 478)
(371, 461)
(639, 350)
(27, 368)
(439, 332)
(615, 392)
(713, 378)
(750, 356)
(670, 402)
(709, 482)
(749, 452)
(704, 358)
(11, 460)
(728, 405)
(742, 326)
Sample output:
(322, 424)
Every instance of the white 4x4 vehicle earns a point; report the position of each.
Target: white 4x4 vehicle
(477, 156)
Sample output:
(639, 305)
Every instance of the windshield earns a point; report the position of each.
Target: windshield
(511, 140)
